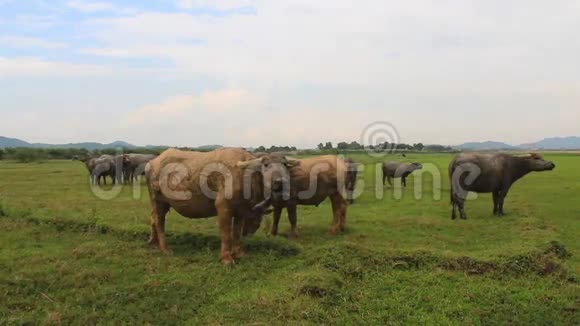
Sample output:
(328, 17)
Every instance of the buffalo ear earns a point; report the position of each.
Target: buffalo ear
(292, 163)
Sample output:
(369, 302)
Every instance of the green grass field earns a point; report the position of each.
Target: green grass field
(67, 257)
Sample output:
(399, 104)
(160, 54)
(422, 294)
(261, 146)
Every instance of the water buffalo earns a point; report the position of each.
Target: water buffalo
(135, 166)
(218, 183)
(485, 173)
(399, 170)
(104, 167)
(310, 182)
(100, 167)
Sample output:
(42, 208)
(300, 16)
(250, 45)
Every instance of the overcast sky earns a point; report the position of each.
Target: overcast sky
(269, 72)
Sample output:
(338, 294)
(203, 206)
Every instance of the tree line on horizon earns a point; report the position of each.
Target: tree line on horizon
(384, 147)
(27, 154)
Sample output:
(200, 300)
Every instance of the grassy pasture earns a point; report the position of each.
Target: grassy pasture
(68, 257)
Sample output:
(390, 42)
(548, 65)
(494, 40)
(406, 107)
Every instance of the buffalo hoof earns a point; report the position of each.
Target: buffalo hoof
(227, 260)
(293, 236)
(166, 251)
(238, 253)
(334, 230)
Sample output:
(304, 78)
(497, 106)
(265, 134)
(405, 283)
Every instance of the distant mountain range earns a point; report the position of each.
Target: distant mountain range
(13, 142)
(6, 142)
(554, 143)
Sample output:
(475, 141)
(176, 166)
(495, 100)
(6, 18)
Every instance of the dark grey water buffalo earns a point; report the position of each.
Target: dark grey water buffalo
(135, 166)
(489, 173)
(104, 167)
(401, 170)
(100, 168)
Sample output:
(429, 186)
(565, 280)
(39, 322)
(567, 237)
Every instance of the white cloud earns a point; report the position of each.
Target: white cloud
(26, 66)
(171, 108)
(218, 4)
(441, 72)
(369, 44)
(224, 101)
(29, 42)
(83, 6)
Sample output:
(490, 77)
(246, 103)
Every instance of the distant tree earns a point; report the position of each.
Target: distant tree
(437, 148)
(260, 149)
(321, 146)
(355, 145)
(2, 153)
(418, 146)
(328, 145)
(402, 146)
(342, 145)
(293, 148)
(384, 145)
(27, 155)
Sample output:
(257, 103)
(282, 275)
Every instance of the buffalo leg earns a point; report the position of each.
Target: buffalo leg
(237, 250)
(338, 204)
(454, 211)
(277, 215)
(390, 180)
(502, 197)
(404, 181)
(293, 218)
(496, 196)
(158, 213)
(461, 205)
(225, 225)
(343, 209)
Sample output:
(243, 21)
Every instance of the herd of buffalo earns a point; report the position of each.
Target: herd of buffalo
(239, 187)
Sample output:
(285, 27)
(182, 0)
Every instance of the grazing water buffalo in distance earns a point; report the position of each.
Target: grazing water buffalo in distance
(311, 181)
(135, 166)
(200, 185)
(399, 170)
(104, 167)
(100, 167)
(485, 173)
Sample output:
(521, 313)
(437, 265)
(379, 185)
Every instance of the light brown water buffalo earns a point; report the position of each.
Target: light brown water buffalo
(199, 185)
(401, 170)
(310, 182)
(485, 173)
